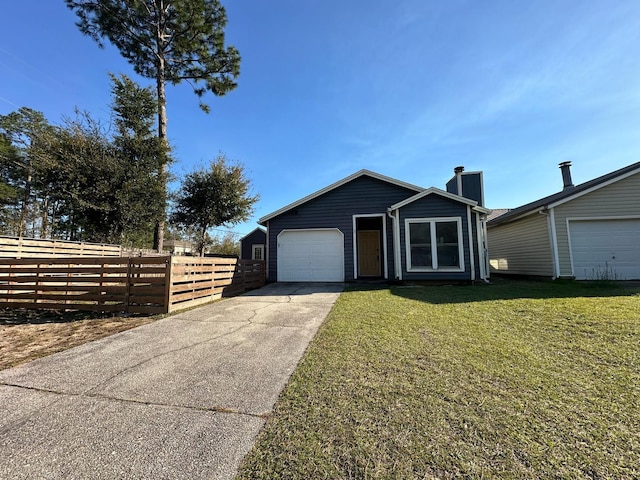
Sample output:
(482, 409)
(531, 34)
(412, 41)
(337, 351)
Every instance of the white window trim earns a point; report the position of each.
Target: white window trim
(434, 252)
(253, 250)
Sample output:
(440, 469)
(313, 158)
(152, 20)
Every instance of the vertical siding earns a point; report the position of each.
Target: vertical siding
(522, 247)
(335, 209)
(621, 198)
(433, 206)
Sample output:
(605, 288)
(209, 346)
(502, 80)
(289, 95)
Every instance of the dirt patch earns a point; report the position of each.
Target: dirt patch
(26, 335)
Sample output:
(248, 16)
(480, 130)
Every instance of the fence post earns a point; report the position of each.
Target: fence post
(128, 284)
(168, 280)
(244, 274)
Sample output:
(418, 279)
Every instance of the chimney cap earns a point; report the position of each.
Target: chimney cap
(566, 163)
(459, 169)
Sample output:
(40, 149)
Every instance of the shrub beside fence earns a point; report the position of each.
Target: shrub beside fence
(124, 284)
(19, 247)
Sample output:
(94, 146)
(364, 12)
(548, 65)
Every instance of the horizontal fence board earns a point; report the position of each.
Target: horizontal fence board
(68, 270)
(62, 289)
(76, 279)
(85, 297)
(62, 306)
(19, 247)
(65, 261)
(137, 284)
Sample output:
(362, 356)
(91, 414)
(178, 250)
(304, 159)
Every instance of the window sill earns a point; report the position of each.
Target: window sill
(434, 270)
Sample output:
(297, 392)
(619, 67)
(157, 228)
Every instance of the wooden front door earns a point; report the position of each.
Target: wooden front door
(369, 253)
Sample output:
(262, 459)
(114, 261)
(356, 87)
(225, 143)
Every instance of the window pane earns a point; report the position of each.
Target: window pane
(420, 233)
(420, 240)
(447, 244)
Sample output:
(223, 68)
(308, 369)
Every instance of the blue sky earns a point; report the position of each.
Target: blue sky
(407, 88)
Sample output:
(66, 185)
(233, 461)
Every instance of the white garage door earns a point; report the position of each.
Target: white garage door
(605, 249)
(311, 256)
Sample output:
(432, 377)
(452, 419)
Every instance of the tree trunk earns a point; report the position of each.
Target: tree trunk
(45, 217)
(162, 114)
(22, 228)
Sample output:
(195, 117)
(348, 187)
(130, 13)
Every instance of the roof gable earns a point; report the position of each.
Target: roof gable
(337, 184)
(257, 229)
(567, 194)
(442, 193)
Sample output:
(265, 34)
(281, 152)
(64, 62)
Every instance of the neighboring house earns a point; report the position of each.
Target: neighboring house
(178, 247)
(587, 231)
(252, 245)
(369, 226)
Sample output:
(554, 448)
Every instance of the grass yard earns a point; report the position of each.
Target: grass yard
(514, 380)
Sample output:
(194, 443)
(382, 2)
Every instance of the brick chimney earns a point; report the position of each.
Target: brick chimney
(565, 168)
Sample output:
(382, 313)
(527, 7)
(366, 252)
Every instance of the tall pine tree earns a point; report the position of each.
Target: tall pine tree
(169, 41)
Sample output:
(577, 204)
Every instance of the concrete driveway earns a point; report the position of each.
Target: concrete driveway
(183, 397)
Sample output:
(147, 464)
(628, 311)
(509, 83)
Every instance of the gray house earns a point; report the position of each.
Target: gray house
(252, 245)
(586, 231)
(369, 226)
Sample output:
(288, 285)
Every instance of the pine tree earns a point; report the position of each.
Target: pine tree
(169, 41)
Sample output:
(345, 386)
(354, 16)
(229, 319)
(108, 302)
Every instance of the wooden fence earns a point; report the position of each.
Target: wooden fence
(147, 285)
(19, 247)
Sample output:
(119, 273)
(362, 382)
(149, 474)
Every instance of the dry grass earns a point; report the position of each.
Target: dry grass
(515, 380)
(26, 335)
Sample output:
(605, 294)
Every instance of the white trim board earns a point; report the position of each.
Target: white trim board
(384, 241)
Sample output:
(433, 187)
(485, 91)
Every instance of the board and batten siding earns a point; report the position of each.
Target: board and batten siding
(433, 206)
(618, 199)
(335, 209)
(522, 247)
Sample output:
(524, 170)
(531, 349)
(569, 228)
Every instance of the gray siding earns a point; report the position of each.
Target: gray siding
(472, 187)
(522, 247)
(621, 198)
(255, 237)
(436, 206)
(335, 209)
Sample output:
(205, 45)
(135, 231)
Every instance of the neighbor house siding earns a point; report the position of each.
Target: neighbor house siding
(522, 247)
(335, 209)
(433, 206)
(621, 198)
(257, 237)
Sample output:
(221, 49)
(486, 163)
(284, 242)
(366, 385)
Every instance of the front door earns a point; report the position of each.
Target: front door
(369, 253)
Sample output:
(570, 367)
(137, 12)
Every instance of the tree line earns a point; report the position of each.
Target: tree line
(84, 180)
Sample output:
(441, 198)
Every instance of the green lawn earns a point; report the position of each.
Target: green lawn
(513, 380)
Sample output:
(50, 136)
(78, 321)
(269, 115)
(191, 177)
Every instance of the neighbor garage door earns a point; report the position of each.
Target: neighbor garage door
(605, 249)
(311, 256)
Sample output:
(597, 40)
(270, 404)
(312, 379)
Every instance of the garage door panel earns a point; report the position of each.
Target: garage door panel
(608, 248)
(311, 256)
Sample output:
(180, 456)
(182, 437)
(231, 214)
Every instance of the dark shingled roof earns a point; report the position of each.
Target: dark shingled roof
(556, 197)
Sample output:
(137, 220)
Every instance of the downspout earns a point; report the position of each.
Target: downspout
(472, 260)
(267, 254)
(397, 267)
(482, 247)
(553, 240)
(554, 244)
